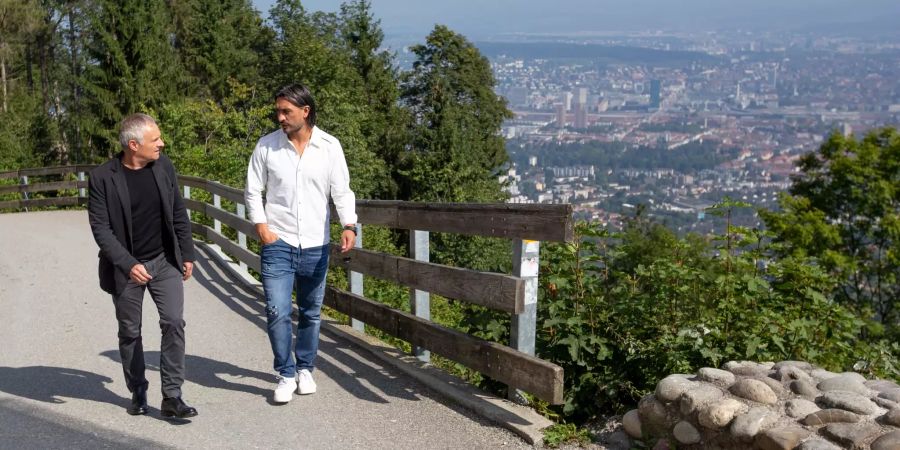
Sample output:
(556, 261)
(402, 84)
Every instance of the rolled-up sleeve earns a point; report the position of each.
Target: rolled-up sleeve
(344, 198)
(256, 183)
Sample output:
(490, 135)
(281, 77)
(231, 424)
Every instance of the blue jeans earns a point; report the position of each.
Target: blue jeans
(282, 266)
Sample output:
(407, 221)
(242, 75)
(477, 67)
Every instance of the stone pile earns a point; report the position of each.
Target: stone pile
(785, 405)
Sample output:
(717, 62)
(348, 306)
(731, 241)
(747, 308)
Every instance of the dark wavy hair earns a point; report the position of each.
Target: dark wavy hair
(299, 96)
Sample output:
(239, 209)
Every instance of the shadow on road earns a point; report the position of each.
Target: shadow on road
(55, 384)
(206, 372)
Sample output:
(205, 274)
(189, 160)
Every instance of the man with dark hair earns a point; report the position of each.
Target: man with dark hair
(299, 167)
(139, 221)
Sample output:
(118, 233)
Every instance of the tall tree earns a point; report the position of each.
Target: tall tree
(385, 125)
(18, 20)
(457, 149)
(844, 211)
(136, 64)
(220, 42)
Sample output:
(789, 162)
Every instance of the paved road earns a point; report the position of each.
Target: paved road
(61, 385)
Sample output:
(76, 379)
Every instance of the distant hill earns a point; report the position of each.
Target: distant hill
(605, 53)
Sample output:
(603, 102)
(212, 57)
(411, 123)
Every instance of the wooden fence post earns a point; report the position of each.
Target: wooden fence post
(356, 281)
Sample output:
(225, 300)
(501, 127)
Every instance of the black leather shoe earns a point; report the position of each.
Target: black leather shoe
(138, 403)
(175, 407)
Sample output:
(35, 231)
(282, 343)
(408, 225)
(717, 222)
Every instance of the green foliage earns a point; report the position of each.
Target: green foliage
(565, 434)
(620, 311)
(137, 67)
(843, 212)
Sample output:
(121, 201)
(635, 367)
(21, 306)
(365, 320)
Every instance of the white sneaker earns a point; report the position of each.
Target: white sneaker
(284, 392)
(305, 383)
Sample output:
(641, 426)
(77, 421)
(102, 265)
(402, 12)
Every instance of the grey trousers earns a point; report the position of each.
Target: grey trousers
(167, 290)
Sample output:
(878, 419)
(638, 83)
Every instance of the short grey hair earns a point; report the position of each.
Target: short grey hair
(133, 127)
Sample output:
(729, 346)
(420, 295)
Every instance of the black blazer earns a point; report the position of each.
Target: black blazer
(109, 212)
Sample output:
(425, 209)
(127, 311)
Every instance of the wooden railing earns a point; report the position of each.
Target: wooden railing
(516, 294)
(26, 187)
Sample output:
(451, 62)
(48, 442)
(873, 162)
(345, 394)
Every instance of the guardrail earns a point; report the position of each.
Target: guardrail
(516, 294)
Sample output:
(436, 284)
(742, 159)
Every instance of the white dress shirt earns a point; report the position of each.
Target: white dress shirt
(297, 187)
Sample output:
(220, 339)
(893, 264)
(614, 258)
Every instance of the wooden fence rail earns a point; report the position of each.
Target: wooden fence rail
(516, 294)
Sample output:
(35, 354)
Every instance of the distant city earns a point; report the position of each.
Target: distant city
(677, 122)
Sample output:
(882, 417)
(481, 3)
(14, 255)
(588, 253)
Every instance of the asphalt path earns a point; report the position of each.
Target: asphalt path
(61, 384)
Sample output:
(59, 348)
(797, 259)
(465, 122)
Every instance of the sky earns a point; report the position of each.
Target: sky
(481, 19)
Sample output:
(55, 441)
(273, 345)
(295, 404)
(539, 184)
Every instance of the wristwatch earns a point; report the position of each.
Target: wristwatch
(351, 228)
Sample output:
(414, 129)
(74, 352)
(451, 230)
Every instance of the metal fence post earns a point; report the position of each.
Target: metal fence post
(356, 281)
(187, 194)
(420, 301)
(524, 326)
(81, 191)
(217, 202)
(25, 192)
(242, 238)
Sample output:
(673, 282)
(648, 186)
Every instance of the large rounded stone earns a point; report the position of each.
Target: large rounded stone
(785, 438)
(885, 403)
(892, 418)
(799, 407)
(851, 435)
(849, 401)
(882, 385)
(805, 388)
(773, 384)
(827, 416)
(747, 368)
(631, 422)
(802, 365)
(890, 394)
(854, 375)
(754, 390)
(685, 433)
(786, 374)
(719, 414)
(746, 426)
(693, 399)
(889, 441)
(843, 383)
(718, 377)
(654, 416)
(821, 374)
(818, 444)
(672, 386)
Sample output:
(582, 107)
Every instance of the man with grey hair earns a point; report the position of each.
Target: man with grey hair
(140, 223)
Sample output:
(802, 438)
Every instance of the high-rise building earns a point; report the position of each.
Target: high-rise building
(655, 87)
(582, 95)
(560, 115)
(580, 115)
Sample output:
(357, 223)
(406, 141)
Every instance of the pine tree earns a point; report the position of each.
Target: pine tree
(457, 149)
(136, 64)
(220, 42)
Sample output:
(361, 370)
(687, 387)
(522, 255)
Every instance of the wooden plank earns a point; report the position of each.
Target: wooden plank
(367, 262)
(222, 215)
(493, 290)
(516, 369)
(43, 202)
(44, 187)
(192, 181)
(234, 194)
(553, 224)
(228, 246)
(513, 221)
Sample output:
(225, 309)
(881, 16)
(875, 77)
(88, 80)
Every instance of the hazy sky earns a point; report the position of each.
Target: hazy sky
(479, 19)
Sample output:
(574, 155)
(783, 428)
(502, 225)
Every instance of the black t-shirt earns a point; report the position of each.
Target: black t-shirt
(146, 213)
